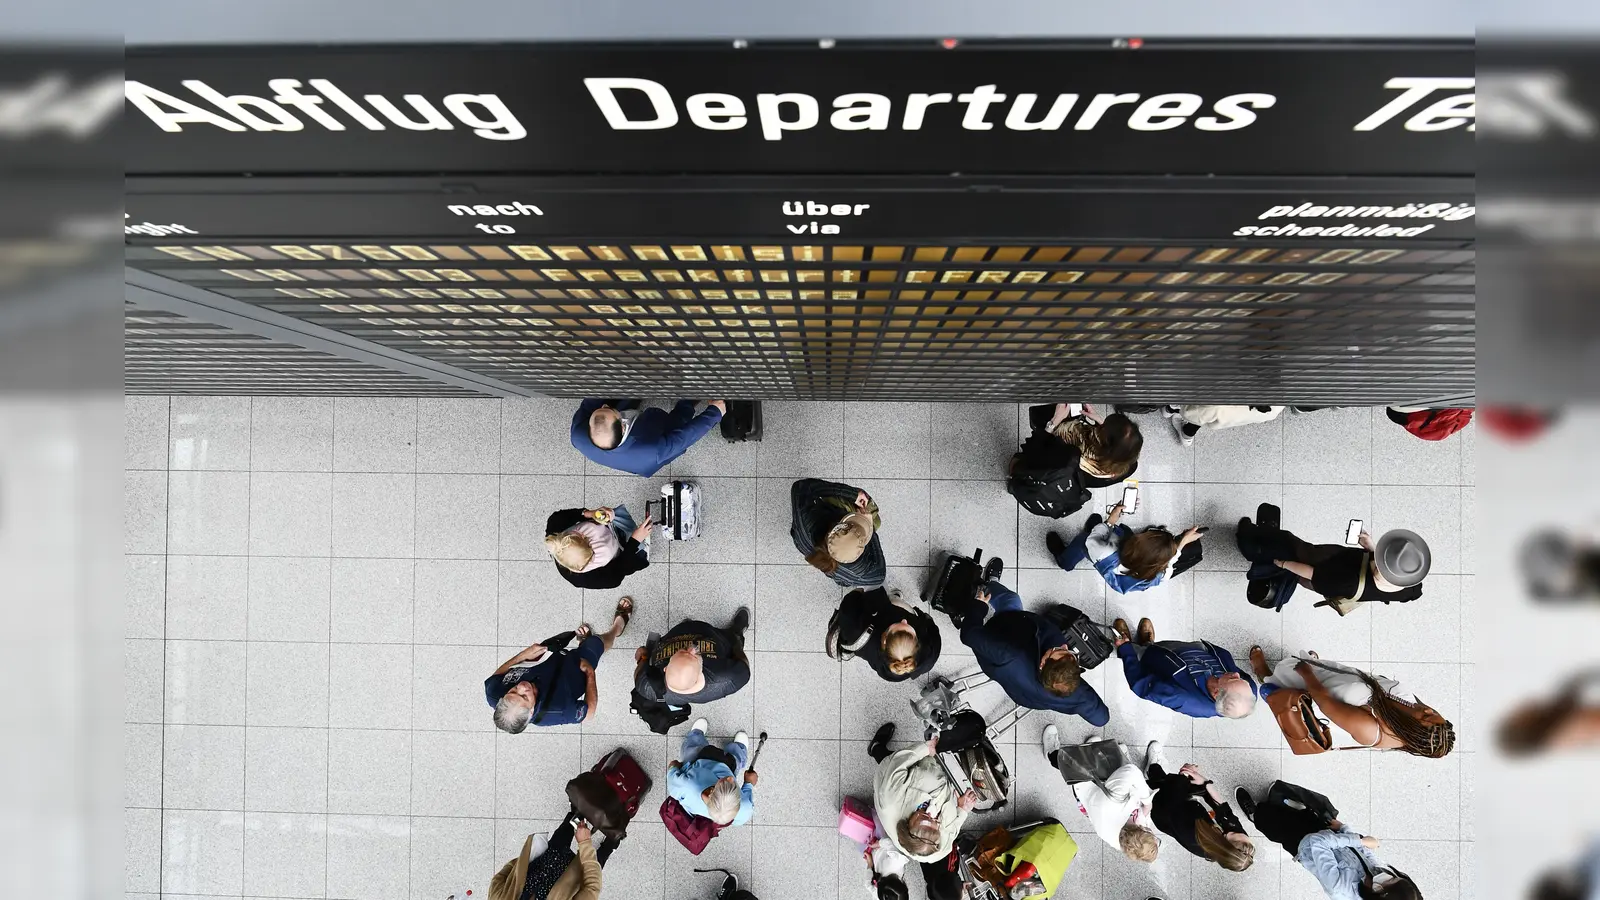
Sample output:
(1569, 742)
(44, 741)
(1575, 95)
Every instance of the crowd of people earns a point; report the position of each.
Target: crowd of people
(1036, 657)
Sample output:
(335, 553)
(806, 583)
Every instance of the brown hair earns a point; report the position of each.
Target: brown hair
(1399, 718)
(901, 649)
(1138, 843)
(1220, 850)
(1404, 889)
(1114, 444)
(1061, 675)
(1148, 553)
(820, 558)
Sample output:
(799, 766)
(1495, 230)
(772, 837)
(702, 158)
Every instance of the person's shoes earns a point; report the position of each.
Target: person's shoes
(700, 725)
(879, 746)
(1247, 803)
(1175, 418)
(1051, 740)
(1120, 626)
(1146, 634)
(1055, 543)
(730, 886)
(742, 737)
(1155, 755)
(1258, 663)
(994, 569)
(1093, 520)
(741, 620)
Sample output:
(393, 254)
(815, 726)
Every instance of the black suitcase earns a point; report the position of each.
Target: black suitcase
(1086, 640)
(954, 586)
(742, 421)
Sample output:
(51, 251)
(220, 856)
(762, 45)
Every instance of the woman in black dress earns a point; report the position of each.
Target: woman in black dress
(1187, 806)
(898, 641)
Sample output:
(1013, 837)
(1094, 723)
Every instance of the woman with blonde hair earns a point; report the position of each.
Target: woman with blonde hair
(835, 527)
(597, 548)
(1362, 709)
(1188, 807)
(895, 638)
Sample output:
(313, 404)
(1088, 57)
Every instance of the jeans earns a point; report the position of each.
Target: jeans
(696, 741)
(1003, 599)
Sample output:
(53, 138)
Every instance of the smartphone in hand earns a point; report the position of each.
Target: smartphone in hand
(1130, 499)
(1352, 532)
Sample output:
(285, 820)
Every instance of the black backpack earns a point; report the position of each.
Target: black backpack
(658, 715)
(742, 421)
(1087, 642)
(1045, 477)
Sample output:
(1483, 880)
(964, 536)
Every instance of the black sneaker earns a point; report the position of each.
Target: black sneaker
(741, 619)
(879, 745)
(994, 569)
(1247, 803)
(1055, 543)
(1269, 516)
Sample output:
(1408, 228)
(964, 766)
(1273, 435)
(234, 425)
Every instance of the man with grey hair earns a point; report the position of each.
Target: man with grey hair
(707, 781)
(1196, 678)
(546, 684)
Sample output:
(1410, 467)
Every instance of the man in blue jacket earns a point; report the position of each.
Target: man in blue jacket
(1196, 678)
(1028, 656)
(618, 434)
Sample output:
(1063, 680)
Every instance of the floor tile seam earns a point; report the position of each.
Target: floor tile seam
(166, 586)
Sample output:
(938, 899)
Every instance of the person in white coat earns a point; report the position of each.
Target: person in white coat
(1119, 812)
(1189, 421)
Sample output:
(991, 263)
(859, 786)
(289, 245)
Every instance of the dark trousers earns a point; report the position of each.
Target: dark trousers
(1287, 826)
(562, 838)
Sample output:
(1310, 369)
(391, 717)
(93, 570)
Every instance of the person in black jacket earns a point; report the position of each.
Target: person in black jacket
(1187, 806)
(835, 527)
(597, 548)
(695, 662)
(897, 640)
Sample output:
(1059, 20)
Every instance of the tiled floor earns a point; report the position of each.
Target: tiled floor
(317, 589)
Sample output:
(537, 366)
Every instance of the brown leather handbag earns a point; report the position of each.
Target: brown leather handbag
(1297, 719)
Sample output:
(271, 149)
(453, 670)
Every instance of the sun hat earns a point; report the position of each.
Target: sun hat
(1403, 557)
(848, 539)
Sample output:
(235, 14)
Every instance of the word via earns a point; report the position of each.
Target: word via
(779, 113)
(486, 114)
(813, 208)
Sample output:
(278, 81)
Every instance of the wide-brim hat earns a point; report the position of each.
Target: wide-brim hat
(848, 539)
(1403, 557)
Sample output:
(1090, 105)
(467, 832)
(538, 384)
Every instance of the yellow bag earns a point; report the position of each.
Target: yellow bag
(1051, 850)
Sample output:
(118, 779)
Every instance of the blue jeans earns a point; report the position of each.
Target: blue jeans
(1003, 599)
(695, 741)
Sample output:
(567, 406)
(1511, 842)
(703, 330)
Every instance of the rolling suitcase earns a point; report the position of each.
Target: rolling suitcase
(742, 422)
(678, 510)
(608, 795)
(955, 585)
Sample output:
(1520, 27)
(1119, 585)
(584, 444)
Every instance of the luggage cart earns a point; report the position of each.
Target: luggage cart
(966, 740)
(984, 863)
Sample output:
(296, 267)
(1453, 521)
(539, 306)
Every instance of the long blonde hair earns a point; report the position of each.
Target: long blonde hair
(571, 550)
(1220, 850)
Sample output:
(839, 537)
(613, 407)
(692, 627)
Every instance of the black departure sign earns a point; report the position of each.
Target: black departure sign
(1314, 110)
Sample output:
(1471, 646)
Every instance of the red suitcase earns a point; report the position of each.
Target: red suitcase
(625, 776)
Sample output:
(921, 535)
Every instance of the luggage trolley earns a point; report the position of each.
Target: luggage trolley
(1034, 856)
(966, 742)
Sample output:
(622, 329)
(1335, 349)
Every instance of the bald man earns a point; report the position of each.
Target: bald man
(694, 662)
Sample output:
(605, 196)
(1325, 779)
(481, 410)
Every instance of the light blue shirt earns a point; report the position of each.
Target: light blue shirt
(1335, 858)
(686, 783)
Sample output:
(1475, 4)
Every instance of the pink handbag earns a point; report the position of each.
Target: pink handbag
(855, 821)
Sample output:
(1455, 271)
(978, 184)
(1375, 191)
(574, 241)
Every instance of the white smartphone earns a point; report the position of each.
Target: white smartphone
(1352, 534)
(1130, 499)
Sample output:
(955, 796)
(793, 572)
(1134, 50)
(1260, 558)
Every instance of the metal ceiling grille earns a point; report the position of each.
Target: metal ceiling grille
(1352, 324)
(165, 353)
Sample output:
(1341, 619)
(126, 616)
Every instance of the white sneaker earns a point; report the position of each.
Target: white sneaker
(700, 725)
(741, 737)
(1155, 756)
(1177, 422)
(1051, 739)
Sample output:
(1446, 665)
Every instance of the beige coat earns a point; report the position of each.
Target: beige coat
(581, 880)
(906, 780)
